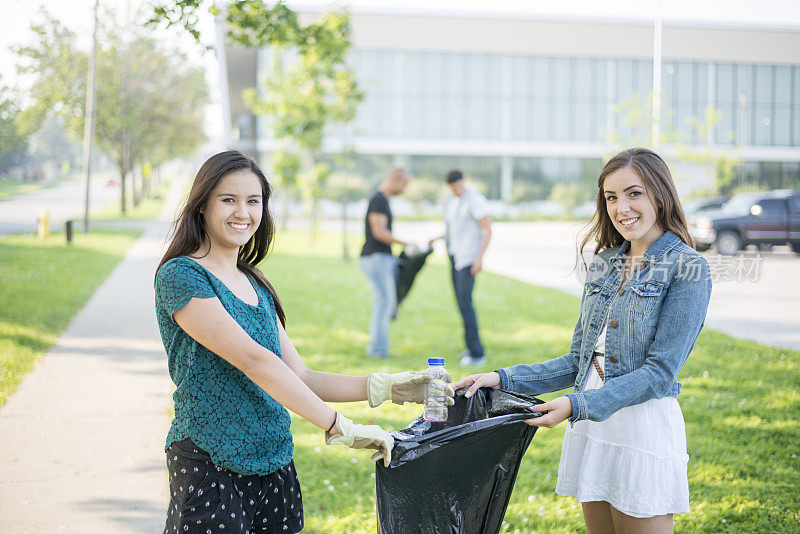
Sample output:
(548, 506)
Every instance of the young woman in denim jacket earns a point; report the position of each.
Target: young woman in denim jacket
(643, 306)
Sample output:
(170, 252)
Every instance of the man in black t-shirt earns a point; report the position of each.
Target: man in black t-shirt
(378, 263)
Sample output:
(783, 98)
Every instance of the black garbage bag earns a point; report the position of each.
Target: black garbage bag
(409, 264)
(456, 477)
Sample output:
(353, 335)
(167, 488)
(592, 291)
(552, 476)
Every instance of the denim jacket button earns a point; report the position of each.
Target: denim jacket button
(612, 323)
(612, 358)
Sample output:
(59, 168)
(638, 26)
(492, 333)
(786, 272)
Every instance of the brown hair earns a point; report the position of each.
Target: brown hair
(189, 232)
(657, 183)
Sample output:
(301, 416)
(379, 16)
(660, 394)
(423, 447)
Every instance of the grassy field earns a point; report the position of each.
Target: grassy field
(10, 188)
(44, 284)
(741, 400)
(148, 208)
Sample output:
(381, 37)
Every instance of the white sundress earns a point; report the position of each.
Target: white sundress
(635, 460)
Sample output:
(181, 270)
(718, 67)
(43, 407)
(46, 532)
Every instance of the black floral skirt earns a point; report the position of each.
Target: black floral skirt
(208, 499)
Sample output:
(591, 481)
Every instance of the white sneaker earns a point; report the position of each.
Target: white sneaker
(469, 360)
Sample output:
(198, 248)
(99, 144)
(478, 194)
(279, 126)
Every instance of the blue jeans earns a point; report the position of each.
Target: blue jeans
(381, 269)
(463, 282)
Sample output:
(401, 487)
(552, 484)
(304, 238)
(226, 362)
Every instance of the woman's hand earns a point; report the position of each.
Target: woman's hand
(557, 410)
(482, 380)
(402, 387)
(346, 432)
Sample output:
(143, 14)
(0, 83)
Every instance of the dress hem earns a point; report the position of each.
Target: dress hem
(673, 508)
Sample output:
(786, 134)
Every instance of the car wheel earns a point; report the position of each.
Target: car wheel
(728, 243)
(702, 247)
(795, 246)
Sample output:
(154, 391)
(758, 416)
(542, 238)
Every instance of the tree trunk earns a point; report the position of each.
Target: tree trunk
(310, 160)
(285, 208)
(122, 185)
(145, 186)
(345, 255)
(137, 189)
(314, 217)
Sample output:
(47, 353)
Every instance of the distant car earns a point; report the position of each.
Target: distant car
(701, 205)
(762, 219)
(112, 181)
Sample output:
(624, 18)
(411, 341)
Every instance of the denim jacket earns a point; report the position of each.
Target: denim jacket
(653, 321)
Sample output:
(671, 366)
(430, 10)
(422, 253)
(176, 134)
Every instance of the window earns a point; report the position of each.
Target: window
(560, 99)
(772, 206)
(724, 86)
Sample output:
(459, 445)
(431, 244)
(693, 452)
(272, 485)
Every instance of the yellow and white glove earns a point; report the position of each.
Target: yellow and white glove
(358, 436)
(402, 387)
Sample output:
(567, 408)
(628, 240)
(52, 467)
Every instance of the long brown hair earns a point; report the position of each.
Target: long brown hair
(189, 231)
(657, 183)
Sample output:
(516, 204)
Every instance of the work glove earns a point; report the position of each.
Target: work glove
(358, 436)
(402, 387)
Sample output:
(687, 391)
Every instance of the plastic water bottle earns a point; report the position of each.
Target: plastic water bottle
(435, 403)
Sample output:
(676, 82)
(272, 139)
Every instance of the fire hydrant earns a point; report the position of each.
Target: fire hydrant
(44, 223)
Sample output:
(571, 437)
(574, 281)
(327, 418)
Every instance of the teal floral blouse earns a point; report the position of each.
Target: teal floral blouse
(216, 405)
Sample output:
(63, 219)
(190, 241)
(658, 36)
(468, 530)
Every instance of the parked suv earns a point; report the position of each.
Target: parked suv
(702, 205)
(762, 219)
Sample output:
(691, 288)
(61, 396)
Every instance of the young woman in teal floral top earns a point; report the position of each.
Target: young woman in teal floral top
(236, 372)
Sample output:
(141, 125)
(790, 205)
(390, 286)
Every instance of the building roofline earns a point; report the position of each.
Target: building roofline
(509, 14)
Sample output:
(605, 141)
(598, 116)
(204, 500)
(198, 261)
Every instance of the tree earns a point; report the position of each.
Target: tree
(569, 195)
(424, 189)
(149, 100)
(149, 106)
(636, 114)
(13, 140)
(252, 23)
(315, 90)
(285, 167)
(310, 86)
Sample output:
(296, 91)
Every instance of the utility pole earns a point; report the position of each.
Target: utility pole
(224, 90)
(657, 76)
(88, 123)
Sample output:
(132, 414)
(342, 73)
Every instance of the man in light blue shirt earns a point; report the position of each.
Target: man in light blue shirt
(468, 231)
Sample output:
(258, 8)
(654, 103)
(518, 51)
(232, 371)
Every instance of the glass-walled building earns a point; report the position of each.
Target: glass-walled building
(522, 104)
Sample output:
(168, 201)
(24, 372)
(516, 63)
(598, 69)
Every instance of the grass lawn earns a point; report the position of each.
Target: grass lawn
(10, 188)
(148, 208)
(741, 400)
(44, 284)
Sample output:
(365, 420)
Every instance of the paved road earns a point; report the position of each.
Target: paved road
(758, 298)
(64, 201)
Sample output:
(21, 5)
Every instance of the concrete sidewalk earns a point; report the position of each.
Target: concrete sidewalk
(78, 438)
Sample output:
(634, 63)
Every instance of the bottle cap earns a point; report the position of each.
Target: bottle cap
(435, 361)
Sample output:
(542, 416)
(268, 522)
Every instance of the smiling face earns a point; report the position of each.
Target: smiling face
(234, 210)
(631, 209)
